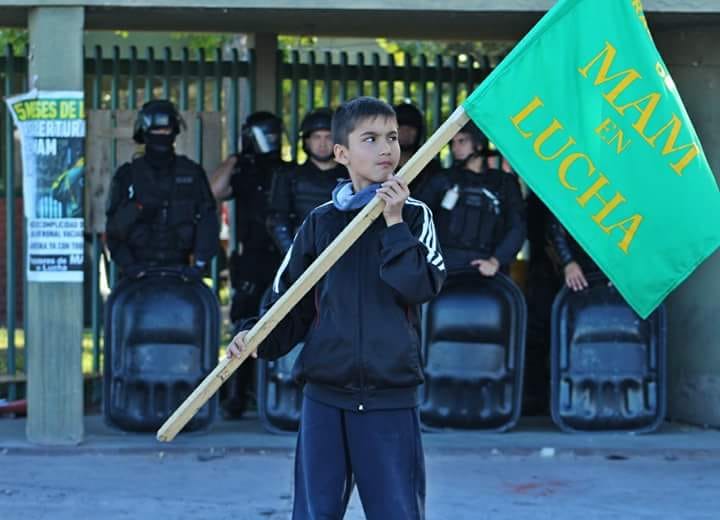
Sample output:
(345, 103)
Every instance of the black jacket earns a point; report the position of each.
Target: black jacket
(421, 187)
(568, 250)
(361, 323)
(161, 216)
(251, 181)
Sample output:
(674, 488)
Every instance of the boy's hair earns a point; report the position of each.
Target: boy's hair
(350, 113)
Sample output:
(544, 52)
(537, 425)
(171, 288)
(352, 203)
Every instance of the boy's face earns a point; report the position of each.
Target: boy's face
(373, 151)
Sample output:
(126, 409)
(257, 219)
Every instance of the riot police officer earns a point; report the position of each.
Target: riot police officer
(479, 211)
(161, 211)
(247, 177)
(297, 191)
(411, 135)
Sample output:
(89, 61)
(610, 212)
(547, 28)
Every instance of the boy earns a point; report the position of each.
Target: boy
(361, 361)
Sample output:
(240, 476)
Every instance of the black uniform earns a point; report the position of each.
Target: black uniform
(421, 187)
(252, 270)
(478, 216)
(159, 216)
(295, 193)
(540, 290)
(569, 250)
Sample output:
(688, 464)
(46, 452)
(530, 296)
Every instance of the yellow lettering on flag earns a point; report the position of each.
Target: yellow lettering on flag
(644, 105)
(609, 127)
(627, 225)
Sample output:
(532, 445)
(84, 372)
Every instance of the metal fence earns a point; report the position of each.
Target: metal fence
(223, 81)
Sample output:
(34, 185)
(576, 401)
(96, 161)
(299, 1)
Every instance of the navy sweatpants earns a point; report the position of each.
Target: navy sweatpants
(379, 451)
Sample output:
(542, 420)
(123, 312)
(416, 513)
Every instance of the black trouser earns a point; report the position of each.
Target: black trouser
(250, 275)
(380, 451)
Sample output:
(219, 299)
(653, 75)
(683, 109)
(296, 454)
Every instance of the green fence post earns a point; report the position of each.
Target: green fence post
(150, 76)
(167, 73)
(311, 82)
(200, 100)
(453, 82)
(376, 75)
(407, 71)
(437, 92)
(360, 74)
(470, 81)
(294, 103)
(10, 244)
(217, 107)
(390, 93)
(114, 85)
(422, 86)
(97, 81)
(252, 80)
(328, 79)
(279, 95)
(234, 132)
(200, 104)
(132, 99)
(217, 80)
(343, 76)
(96, 244)
(184, 74)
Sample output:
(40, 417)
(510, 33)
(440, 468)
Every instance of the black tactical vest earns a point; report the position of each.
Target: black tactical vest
(165, 232)
(251, 182)
(476, 220)
(311, 187)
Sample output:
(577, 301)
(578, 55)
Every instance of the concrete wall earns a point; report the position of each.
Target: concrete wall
(374, 5)
(410, 19)
(693, 57)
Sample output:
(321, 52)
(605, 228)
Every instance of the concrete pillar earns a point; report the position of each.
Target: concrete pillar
(266, 93)
(693, 58)
(55, 310)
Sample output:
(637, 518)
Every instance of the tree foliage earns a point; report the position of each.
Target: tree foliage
(494, 50)
(17, 38)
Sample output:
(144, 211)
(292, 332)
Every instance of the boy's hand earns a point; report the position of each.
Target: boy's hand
(394, 192)
(237, 346)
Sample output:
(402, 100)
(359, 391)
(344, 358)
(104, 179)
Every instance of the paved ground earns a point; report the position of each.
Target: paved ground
(237, 472)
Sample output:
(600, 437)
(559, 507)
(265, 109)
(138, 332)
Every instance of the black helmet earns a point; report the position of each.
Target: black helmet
(410, 115)
(318, 119)
(158, 113)
(477, 136)
(479, 140)
(262, 133)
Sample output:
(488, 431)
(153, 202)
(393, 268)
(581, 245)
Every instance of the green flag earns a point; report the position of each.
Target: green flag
(587, 113)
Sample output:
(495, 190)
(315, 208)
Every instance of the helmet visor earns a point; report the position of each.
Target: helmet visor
(158, 120)
(264, 142)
